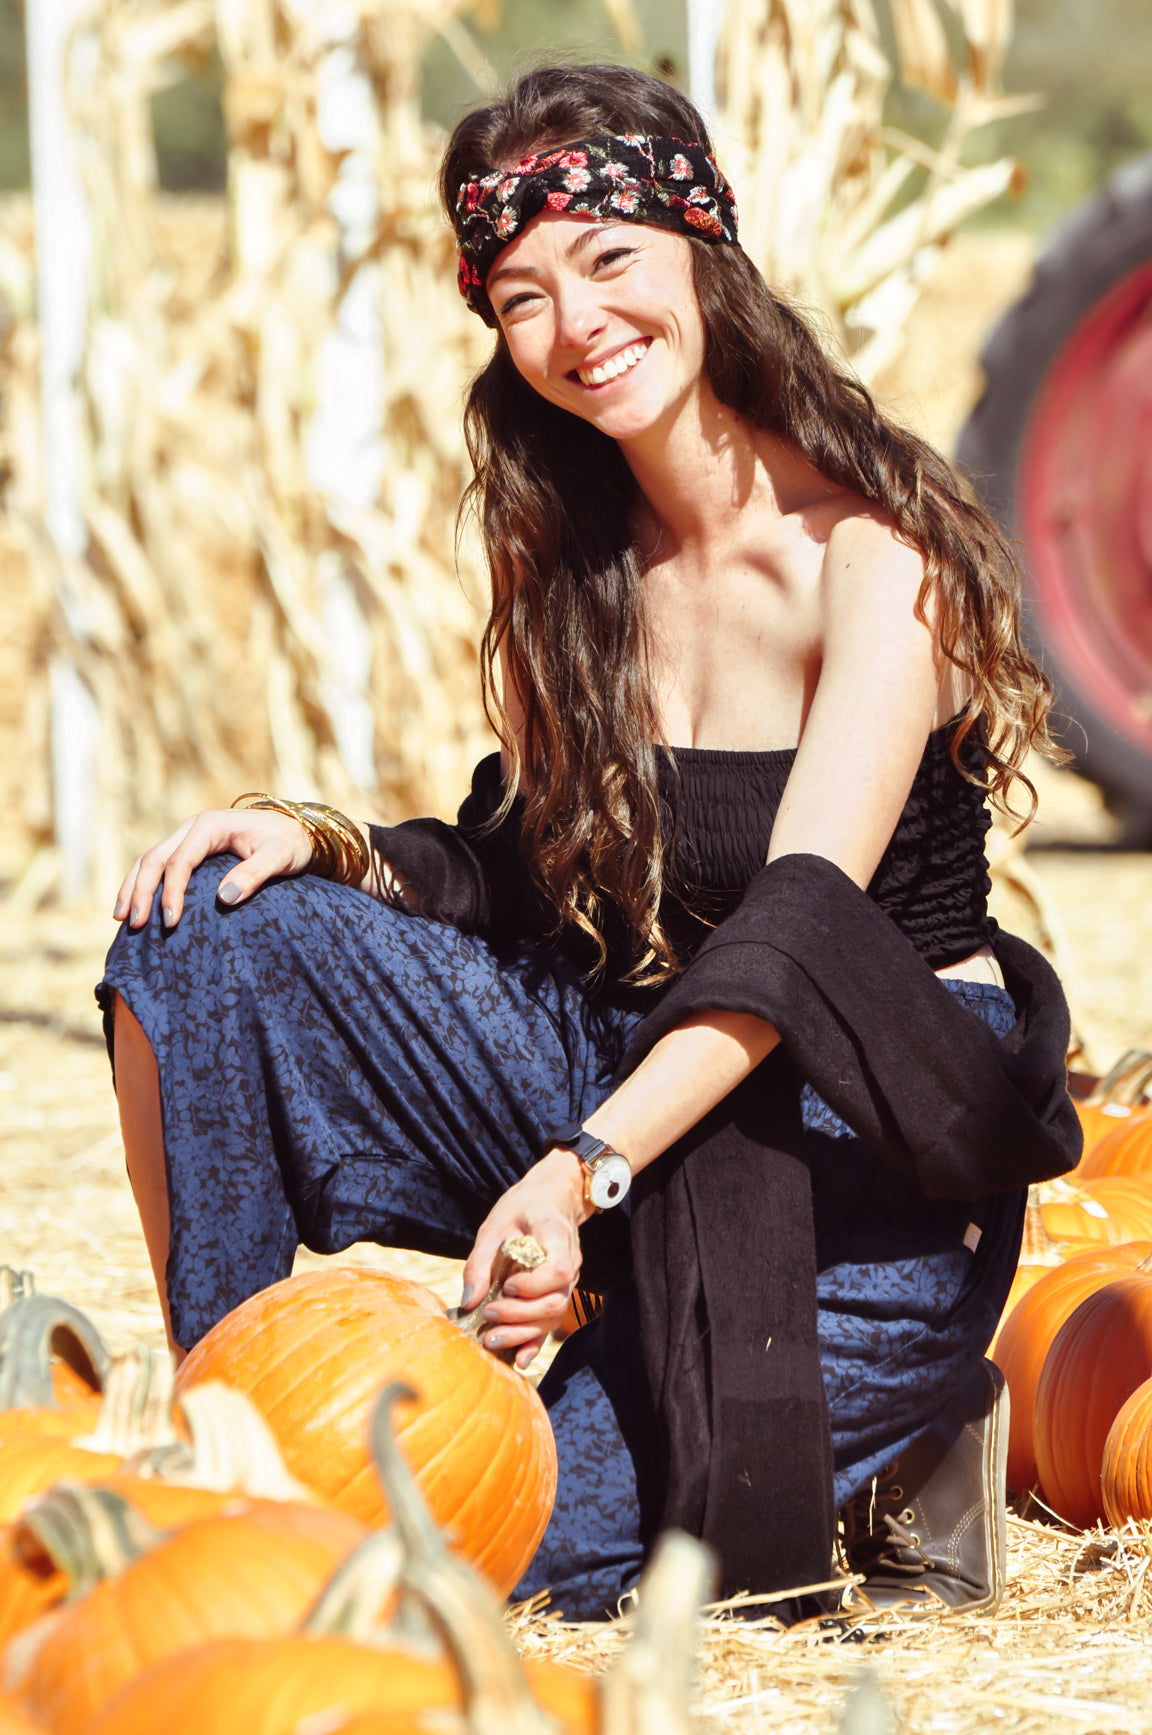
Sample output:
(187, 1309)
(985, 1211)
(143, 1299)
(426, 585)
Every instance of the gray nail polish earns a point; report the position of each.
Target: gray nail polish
(466, 1296)
(168, 916)
(229, 894)
(494, 1339)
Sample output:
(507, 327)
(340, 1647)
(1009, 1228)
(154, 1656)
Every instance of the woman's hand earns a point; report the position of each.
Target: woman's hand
(269, 843)
(549, 1205)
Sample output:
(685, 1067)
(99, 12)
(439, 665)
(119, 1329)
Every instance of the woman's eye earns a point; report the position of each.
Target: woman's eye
(516, 302)
(613, 255)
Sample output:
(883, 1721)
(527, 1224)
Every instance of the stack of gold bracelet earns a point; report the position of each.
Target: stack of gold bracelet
(339, 851)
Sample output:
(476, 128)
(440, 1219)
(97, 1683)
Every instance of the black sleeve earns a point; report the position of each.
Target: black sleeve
(470, 874)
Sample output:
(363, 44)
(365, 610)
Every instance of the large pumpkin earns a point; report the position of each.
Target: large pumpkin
(312, 1353)
(1025, 1278)
(252, 1571)
(1126, 1470)
(1025, 1337)
(1110, 1210)
(1125, 1150)
(1098, 1358)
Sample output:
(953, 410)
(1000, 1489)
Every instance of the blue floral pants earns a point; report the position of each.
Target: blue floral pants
(332, 1070)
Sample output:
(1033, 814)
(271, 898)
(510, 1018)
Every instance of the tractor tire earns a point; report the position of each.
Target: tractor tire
(1060, 448)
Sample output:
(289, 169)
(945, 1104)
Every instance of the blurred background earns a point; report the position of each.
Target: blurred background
(232, 358)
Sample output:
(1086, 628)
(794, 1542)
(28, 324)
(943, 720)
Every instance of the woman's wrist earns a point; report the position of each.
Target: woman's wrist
(563, 1168)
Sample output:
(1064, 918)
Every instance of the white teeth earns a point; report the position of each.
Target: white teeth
(613, 367)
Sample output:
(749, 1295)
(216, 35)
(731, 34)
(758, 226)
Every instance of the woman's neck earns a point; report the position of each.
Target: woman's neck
(703, 468)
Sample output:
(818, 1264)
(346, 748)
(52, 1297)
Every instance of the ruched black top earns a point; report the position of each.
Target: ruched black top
(932, 879)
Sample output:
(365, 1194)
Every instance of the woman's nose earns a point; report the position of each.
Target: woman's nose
(578, 316)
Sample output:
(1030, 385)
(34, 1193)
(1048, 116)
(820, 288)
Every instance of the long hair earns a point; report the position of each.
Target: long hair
(555, 499)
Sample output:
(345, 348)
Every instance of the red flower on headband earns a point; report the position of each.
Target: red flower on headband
(614, 172)
(559, 201)
(572, 159)
(471, 196)
(507, 223)
(681, 169)
(507, 187)
(625, 200)
(703, 220)
(527, 167)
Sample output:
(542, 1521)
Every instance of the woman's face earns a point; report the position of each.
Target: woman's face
(602, 319)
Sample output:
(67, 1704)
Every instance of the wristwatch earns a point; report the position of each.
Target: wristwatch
(607, 1176)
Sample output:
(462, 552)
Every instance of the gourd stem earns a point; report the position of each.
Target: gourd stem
(232, 1448)
(90, 1534)
(518, 1253)
(648, 1692)
(32, 1330)
(14, 1285)
(136, 1411)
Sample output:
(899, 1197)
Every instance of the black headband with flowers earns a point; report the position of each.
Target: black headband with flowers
(669, 182)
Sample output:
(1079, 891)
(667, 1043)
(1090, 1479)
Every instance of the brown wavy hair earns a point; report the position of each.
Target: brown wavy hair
(555, 501)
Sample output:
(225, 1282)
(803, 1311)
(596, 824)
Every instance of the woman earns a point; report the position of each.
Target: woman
(752, 650)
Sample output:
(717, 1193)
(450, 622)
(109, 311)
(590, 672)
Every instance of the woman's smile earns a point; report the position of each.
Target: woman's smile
(601, 373)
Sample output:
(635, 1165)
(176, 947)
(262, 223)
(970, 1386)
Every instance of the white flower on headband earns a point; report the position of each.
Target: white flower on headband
(681, 169)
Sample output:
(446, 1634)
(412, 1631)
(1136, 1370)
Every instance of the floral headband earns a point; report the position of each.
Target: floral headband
(668, 182)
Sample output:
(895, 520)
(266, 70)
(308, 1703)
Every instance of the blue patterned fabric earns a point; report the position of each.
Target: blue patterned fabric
(333, 1070)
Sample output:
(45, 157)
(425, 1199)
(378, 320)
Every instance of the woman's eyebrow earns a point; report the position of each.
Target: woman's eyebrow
(576, 245)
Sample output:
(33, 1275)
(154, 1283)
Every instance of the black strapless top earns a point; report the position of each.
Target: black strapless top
(932, 879)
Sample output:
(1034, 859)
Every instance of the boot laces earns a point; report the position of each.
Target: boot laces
(877, 1530)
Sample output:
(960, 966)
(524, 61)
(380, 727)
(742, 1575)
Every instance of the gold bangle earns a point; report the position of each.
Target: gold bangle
(339, 851)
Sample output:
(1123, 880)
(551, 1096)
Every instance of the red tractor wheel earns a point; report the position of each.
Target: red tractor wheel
(1060, 445)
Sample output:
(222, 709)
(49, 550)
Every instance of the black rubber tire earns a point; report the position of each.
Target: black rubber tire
(1101, 241)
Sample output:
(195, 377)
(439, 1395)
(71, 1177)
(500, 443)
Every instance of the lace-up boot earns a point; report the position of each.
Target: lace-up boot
(930, 1528)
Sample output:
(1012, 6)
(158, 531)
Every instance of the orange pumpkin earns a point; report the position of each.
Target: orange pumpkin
(270, 1686)
(312, 1352)
(250, 1572)
(1111, 1210)
(31, 1583)
(1025, 1337)
(13, 1720)
(1023, 1280)
(1098, 1120)
(1101, 1353)
(1125, 1150)
(1126, 1471)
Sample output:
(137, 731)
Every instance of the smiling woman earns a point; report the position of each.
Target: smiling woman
(714, 921)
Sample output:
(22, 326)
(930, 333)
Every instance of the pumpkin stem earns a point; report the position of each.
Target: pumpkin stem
(1127, 1080)
(232, 1448)
(648, 1691)
(89, 1533)
(33, 1330)
(465, 1611)
(14, 1285)
(351, 1602)
(136, 1412)
(518, 1253)
(1037, 1246)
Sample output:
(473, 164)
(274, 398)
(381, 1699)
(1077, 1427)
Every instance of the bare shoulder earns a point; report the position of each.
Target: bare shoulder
(867, 564)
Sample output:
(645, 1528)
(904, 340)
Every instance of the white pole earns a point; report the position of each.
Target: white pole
(704, 19)
(345, 444)
(63, 265)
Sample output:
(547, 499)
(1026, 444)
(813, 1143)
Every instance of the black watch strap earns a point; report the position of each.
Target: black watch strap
(573, 1138)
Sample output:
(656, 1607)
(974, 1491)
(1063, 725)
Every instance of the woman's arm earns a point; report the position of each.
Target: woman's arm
(863, 738)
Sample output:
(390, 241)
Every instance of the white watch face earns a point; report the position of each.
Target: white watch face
(609, 1179)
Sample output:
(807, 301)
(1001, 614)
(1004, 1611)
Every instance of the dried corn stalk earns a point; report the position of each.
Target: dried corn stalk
(819, 177)
(271, 595)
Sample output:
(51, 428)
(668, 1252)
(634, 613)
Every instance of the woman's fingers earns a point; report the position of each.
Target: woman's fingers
(267, 842)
